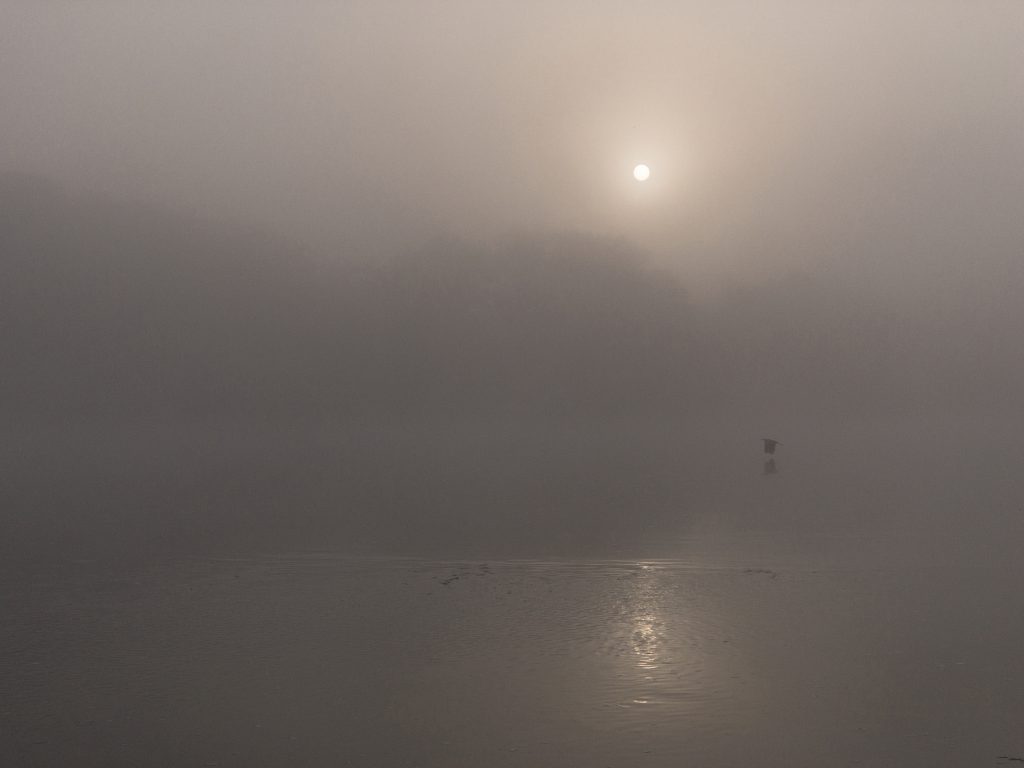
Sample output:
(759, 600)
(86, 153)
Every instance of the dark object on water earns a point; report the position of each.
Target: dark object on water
(769, 453)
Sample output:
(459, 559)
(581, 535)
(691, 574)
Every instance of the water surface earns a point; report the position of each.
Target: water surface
(741, 652)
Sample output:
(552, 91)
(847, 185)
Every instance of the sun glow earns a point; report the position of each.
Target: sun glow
(641, 172)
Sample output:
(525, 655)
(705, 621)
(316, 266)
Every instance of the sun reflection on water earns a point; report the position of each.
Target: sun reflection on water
(667, 660)
(647, 638)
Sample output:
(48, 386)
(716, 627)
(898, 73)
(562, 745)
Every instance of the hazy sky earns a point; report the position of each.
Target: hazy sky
(888, 134)
(859, 165)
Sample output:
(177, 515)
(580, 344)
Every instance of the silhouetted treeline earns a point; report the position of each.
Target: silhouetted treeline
(120, 311)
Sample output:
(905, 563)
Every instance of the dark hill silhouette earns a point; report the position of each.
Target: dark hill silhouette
(121, 311)
(117, 310)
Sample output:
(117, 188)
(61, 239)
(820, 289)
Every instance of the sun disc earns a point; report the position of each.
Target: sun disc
(641, 172)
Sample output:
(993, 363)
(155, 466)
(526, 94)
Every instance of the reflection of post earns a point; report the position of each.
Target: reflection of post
(769, 452)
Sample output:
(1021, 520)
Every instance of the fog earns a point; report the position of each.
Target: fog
(343, 358)
(884, 141)
(366, 246)
(173, 385)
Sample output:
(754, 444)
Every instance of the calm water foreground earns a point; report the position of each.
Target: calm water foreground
(322, 660)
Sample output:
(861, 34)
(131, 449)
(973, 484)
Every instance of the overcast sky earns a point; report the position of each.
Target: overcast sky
(822, 134)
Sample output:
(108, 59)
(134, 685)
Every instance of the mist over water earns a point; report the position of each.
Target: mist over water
(255, 502)
(359, 407)
(174, 386)
(490, 503)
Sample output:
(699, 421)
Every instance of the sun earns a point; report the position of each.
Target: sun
(641, 172)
